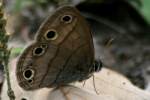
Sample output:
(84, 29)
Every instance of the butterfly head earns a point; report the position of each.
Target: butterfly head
(97, 66)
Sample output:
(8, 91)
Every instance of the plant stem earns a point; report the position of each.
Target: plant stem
(4, 51)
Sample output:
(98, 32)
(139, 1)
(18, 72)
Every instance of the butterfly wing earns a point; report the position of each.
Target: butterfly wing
(68, 53)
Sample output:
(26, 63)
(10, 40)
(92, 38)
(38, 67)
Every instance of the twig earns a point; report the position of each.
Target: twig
(5, 52)
(10, 92)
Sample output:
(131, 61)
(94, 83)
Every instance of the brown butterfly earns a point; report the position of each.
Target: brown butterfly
(62, 53)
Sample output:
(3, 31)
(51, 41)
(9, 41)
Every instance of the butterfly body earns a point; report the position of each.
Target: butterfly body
(62, 53)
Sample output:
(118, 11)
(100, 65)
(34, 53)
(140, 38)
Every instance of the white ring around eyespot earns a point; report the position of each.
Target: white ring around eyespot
(66, 21)
(32, 75)
(56, 34)
(43, 50)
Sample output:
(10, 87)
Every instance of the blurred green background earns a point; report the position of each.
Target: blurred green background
(145, 9)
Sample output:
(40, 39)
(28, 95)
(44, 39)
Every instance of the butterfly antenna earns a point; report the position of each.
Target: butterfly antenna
(95, 85)
(109, 42)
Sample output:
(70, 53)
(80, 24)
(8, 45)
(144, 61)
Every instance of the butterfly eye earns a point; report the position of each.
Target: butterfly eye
(66, 18)
(38, 51)
(28, 74)
(96, 66)
(51, 35)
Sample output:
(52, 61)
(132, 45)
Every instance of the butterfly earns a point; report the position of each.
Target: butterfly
(62, 53)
